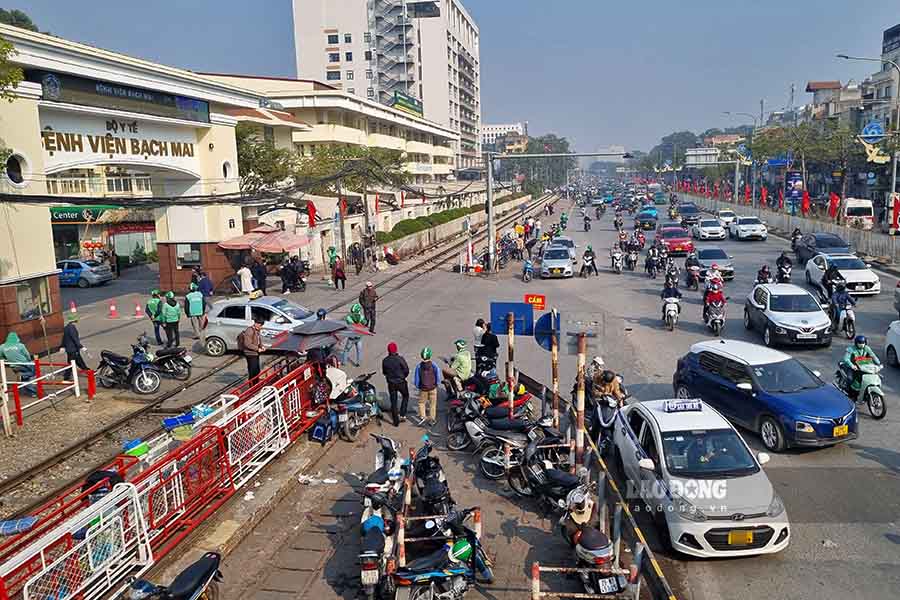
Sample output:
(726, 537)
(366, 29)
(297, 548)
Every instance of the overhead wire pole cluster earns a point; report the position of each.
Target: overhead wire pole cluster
(490, 157)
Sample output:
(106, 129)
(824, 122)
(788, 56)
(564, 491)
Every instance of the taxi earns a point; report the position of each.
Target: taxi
(708, 493)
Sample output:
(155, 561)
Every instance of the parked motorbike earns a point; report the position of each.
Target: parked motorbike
(867, 390)
(474, 425)
(536, 477)
(199, 580)
(492, 461)
(431, 483)
(715, 317)
(671, 307)
(376, 544)
(784, 273)
(356, 404)
(616, 257)
(527, 271)
(448, 572)
(137, 372)
(169, 362)
(389, 470)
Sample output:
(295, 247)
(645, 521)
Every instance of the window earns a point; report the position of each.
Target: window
(734, 372)
(351, 90)
(333, 38)
(348, 56)
(187, 255)
(333, 76)
(369, 74)
(710, 362)
(234, 312)
(635, 420)
(368, 55)
(269, 135)
(349, 75)
(367, 37)
(370, 93)
(759, 296)
(334, 57)
(33, 298)
(15, 169)
(348, 39)
(261, 313)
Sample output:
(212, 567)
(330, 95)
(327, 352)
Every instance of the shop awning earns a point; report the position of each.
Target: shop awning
(266, 238)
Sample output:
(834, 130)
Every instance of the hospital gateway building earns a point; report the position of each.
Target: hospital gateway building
(86, 122)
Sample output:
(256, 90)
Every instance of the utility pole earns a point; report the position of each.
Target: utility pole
(554, 367)
(737, 175)
(761, 105)
(579, 400)
(489, 206)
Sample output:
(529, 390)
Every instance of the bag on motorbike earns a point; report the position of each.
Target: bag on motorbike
(323, 430)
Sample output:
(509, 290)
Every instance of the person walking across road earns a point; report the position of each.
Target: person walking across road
(427, 378)
(170, 315)
(195, 308)
(367, 298)
(152, 310)
(338, 274)
(250, 344)
(71, 342)
(395, 371)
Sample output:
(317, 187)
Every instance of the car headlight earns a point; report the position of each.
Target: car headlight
(686, 510)
(776, 506)
(780, 330)
(804, 427)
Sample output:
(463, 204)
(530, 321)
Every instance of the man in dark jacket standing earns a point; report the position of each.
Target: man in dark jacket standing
(367, 299)
(71, 342)
(396, 371)
(258, 269)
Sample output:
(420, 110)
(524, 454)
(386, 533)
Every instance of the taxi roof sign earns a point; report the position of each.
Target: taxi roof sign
(676, 406)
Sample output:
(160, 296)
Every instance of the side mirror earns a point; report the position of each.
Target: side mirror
(763, 458)
(745, 386)
(646, 464)
(817, 373)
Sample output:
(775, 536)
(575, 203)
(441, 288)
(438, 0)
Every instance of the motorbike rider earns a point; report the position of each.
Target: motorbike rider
(623, 238)
(763, 275)
(690, 261)
(830, 278)
(605, 383)
(461, 366)
(587, 222)
(795, 237)
(618, 221)
(669, 291)
(581, 513)
(589, 262)
(840, 300)
(859, 351)
(672, 275)
(714, 294)
(784, 260)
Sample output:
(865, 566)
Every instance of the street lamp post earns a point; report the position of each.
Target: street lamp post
(894, 117)
(752, 164)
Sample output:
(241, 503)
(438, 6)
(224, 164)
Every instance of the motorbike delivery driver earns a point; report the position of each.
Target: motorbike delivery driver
(589, 262)
(461, 365)
(784, 260)
(840, 300)
(858, 352)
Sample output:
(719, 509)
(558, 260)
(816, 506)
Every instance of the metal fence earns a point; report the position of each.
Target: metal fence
(60, 380)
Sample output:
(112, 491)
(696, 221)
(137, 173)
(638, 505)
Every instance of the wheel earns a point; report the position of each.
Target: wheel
(492, 463)
(682, 393)
(767, 336)
(670, 322)
(849, 329)
(717, 328)
(892, 356)
(181, 370)
(875, 402)
(452, 421)
(771, 435)
(83, 283)
(519, 484)
(458, 440)
(105, 377)
(215, 346)
(211, 592)
(748, 324)
(145, 382)
(351, 428)
(526, 277)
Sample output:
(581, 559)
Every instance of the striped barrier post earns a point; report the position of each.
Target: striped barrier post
(476, 518)
(401, 541)
(535, 581)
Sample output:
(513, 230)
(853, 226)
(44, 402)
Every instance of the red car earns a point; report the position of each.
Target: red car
(677, 240)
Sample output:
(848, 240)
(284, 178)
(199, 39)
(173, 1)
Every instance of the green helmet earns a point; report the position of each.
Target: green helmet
(461, 551)
(170, 294)
(193, 287)
(356, 308)
(154, 292)
(589, 247)
(426, 353)
(460, 344)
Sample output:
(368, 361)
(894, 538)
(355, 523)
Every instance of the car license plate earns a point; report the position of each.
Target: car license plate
(557, 271)
(188, 358)
(740, 538)
(806, 336)
(608, 585)
(841, 430)
(369, 577)
(342, 417)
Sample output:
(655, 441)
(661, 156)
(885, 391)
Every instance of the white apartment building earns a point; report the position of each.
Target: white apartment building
(424, 55)
(885, 81)
(490, 133)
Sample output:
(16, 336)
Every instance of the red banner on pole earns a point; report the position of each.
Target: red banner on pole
(833, 201)
(311, 212)
(780, 198)
(747, 193)
(764, 196)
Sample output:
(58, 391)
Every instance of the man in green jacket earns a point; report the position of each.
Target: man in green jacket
(195, 308)
(460, 365)
(354, 317)
(154, 304)
(14, 351)
(170, 315)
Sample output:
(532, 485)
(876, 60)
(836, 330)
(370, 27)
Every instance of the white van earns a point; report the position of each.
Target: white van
(859, 212)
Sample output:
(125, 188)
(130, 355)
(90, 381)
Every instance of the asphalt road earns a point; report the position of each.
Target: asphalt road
(842, 501)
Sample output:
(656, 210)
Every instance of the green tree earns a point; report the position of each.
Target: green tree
(804, 141)
(672, 147)
(17, 18)
(350, 168)
(261, 166)
(839, 147)
(544, 172)
(10, 75)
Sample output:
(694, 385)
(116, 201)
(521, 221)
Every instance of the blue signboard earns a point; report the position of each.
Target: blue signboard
(523, 317)
(873, 132)
(544, 329)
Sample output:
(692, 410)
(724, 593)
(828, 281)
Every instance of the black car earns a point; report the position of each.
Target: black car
(820, 243)
(690, 214)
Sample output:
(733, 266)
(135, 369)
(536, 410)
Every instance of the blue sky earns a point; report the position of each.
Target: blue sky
(598, 72)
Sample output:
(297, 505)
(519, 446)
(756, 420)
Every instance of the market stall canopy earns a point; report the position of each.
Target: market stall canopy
(266, 238)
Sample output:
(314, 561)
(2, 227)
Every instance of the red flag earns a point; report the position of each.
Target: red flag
(715, 190)
(343, 206)
(402, 198)
(780, 198)
(746, 193)
(833, 201)
(895, 212)
(764, 196)
(804, 204)
(376, 204)
(311, 212)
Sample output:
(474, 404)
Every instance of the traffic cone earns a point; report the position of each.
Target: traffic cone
(138, 311)
(72, 308)
(113, 312)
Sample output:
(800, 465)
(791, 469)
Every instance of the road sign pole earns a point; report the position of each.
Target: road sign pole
(554, 369)
(579, 400)
(510, 375)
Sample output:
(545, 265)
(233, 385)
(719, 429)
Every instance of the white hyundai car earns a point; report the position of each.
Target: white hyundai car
(709, 494)
(708, 229)
(860, 278)
(748, 228)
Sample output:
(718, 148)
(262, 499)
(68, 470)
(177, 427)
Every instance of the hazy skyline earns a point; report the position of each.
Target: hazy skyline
(600, 75)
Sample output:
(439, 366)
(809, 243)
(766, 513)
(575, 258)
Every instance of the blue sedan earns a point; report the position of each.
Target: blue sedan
(768, 392)
(83, 273)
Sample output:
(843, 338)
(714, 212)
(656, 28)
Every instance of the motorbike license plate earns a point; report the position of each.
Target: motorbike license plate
(841, 430)
(740, 538)
(188, 358)
(342, 417)
(608, 585)
(369, 577)
(806, 336)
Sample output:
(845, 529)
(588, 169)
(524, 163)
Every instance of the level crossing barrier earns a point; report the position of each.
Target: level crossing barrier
(61, 378)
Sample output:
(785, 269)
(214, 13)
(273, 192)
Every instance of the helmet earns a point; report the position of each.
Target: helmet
(170, 294)
(589, 247)
(692, 254)
(715, 287)
(580, 505)
(320, 314)
(765, 269)
(356, 308)
(426, 353)
(608, 376)
(193, 287)
(460, 344)
(461, 550)
(860, 340)
(598, 361)
(154, 292)
(841, 286)
(715, 266)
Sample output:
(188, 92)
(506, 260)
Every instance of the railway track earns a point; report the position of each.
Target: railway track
(19, 492)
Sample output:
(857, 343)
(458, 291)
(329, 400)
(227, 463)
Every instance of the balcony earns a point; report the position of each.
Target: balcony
(419, 147)
(442, 169)
(330, 133)
(446, 151)
(419, 168)
(380, 140)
